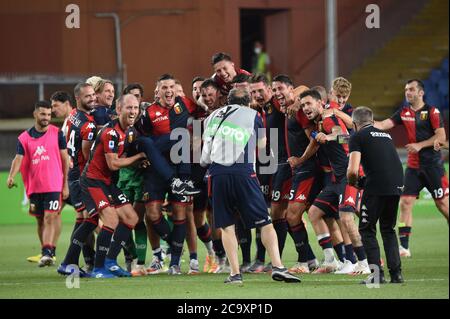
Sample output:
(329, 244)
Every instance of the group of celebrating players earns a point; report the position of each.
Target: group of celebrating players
(123, 177)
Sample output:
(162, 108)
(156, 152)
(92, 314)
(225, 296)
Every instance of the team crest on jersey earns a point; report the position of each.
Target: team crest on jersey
(269, 109)
(177, 108)
(424, 115)
(32, 208)
(320, 126)
(130, 137)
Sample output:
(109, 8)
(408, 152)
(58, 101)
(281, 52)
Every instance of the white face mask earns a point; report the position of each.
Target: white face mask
(257, 50)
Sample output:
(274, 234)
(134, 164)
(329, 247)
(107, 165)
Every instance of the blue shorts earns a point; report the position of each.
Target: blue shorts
(241, 193)
(76, 199)
(281, 183)
(156, 188)
(338, 197)
(200, 182)
(306, 184)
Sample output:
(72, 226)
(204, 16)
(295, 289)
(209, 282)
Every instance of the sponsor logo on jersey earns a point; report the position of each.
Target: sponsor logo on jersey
(408, 118)
(381, 134)
(91, 125)
(301, 197)
(160, 119)
(39, 155)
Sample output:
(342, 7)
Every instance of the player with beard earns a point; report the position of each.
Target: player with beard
(329, 202)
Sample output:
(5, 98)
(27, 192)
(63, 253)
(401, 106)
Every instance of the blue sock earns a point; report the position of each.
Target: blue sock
(177, 240)
(403, 234)
(340, 251)
(193, 256)
(360, 253)
(350, 254)
(158, 253)
(162, 228)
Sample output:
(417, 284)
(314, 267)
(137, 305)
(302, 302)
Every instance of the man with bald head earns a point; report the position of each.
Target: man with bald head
(102, 197)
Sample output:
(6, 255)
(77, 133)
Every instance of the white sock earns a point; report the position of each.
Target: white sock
(209, 247)
(329, 255)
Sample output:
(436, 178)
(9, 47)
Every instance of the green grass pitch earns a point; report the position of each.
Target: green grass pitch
(426, 273)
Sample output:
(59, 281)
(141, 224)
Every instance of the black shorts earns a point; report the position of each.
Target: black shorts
(41, 203)
(242, 193)
(338, 197)
(156, 189)
(97, 195)
(281, 183)
(76, 198)
(433, 178)
(306, 184)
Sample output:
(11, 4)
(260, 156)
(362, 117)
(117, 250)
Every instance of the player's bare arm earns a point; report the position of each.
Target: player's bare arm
(310, 150)
(86, 148)
(323, 138)
(338, 113)
(353, 168)
(15, 167)
(439, 134)
(384, 125)
(65, 160)
(115, 162)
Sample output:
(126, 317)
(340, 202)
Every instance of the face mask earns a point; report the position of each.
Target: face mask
(257, 50)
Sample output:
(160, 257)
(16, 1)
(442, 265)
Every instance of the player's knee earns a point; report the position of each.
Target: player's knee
(110, 220)
(50, 218)
(442, 204)
(153, 213)
(198, 219)
(406, 204)
(292, 217)
(314, 214)
(133, 219)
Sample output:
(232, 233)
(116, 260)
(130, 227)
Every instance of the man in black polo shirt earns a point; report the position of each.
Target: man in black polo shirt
(375, 150)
